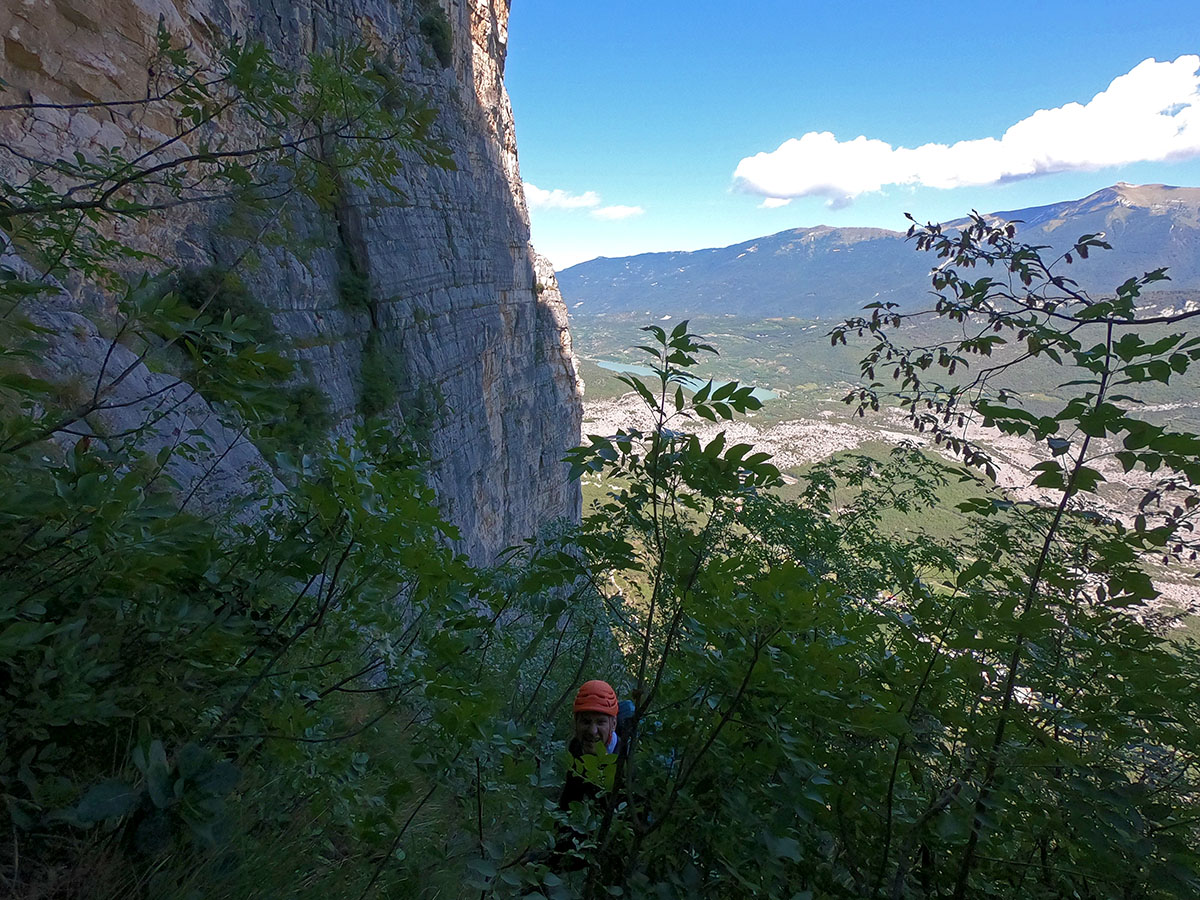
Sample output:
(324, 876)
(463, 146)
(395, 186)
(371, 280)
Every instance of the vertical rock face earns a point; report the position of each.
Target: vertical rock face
(477, 336)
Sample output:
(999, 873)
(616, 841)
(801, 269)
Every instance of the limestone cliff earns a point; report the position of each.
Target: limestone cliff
(479, 338)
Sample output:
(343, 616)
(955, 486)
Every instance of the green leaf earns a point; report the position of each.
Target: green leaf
(1086, 479)
(725, 390)
(973, 571)
(22, 635)
(783, 847)
(714, 447)
(190, 759)
(158, 776)
(220, 778)
(1051, 475)
(109, 799)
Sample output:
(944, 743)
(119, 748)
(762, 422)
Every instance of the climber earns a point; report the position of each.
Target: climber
(596, 744)
(597, 748)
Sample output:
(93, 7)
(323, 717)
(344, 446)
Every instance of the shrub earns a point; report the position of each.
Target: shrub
(354, 288)
(380, 378)
(153, 653)
(213, 334)
(906, 717)
(436, 29)
(301, 421)
(215, 291)
(206, 706)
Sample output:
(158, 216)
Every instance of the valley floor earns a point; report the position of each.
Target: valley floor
(796, 443)
(807, 421)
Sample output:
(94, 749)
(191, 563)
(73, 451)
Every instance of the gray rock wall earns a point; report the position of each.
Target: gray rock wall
(483, 354)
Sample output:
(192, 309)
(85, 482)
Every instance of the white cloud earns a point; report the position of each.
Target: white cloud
(539, 198)
(1150, 114)
(774, 202)
(617, 212)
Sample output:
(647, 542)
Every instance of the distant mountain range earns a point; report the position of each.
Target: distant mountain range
(824, 271)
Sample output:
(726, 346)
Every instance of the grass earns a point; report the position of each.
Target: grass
(789, 354)
(1188, 631)
(941, 522)
(794, 356)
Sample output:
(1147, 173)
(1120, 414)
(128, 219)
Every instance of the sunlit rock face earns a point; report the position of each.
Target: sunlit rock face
(485, 371)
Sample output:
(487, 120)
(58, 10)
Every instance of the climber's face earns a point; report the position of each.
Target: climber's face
(593, 728)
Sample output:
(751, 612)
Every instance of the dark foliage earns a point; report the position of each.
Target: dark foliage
(216, 292)
(436, 29)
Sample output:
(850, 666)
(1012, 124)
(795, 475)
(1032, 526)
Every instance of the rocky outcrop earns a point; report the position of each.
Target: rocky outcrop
(154, 410)
(483, 353)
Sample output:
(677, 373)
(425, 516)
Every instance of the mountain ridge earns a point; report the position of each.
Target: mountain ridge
(831, 270)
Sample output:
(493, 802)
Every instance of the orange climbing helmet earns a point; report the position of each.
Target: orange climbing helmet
(596, 696)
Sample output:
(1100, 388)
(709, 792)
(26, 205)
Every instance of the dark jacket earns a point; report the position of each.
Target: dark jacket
(589, 773)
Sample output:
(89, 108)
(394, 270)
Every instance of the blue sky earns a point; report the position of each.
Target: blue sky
(632, 118)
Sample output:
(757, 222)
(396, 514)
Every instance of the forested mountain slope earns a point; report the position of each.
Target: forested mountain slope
(832, 272)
